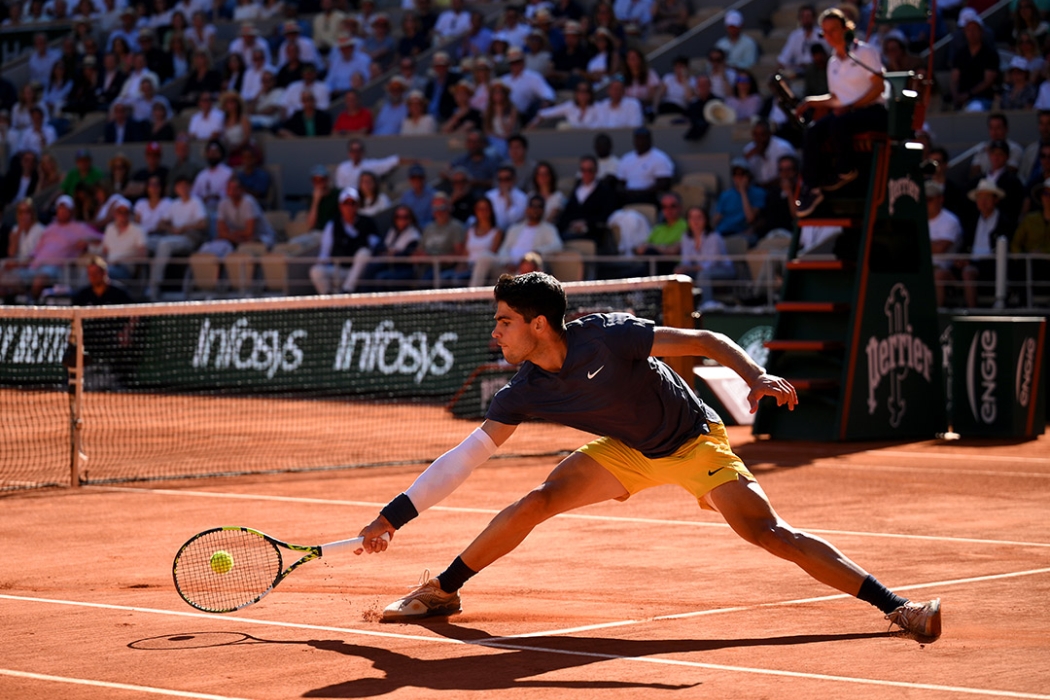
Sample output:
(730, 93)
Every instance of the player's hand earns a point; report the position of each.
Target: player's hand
(770, 385)
(372, 534)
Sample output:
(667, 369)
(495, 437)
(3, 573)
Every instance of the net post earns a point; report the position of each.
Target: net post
(678, 313)
(76, 395)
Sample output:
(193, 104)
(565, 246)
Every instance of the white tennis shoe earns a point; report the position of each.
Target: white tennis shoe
(427, 600)
(919, 620)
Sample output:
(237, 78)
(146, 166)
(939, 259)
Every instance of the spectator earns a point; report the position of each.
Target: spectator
(181, 56)
(240, 220)
(974, 69)
(407, 70)
(82, 97)
(139, 72)
(578, 113)
(233, 73)
(618, 111)
(569, 63)
(346, 175)
(156, 60)
(1029, 50)
(676, 90)
(739, 207)
(464, 117)
(529, 91)
(118, 179)
(981, 237)
(28, 97)
(482, 242)
(57, 89)
(815, 76)
(545, 184)
(745, 99)
(640, 81)
(671, 17)
(603, 17)
(354, 119)
(236, 129)
(201, 35)
(373, 199)
(453, 22)
(150, 211)
(417, 122)
(480, 167)
(348, 68)
(142, 106)
(184, 165)
(723, 76)
(210, 183)
(324, 207)
(704, 257)
(346, 244)
(400, 242)
(394, 110)
(1031, 171)
(537, 53)
(443, 236)
(267, 110)
(514, 30)
(1033, 236)
(518, 158)
(482, 73)
(292, 68)
(255, 180)
(797, 52)
(1012, 199)
(309, 83)
(501, 117)
(41, 59)
(998, 130)
(60, 243)
(588, 208)
(124, 242)
(181, 232)
(414, 40)
(1018, 92)
(308, 121)
(955, 197)
(23, 236)
(946, 237)
(248, 43)
(111, 82)
(440, 103)
(378, 44)
(419, 195)
(461, 194)
(764, 152)
(39, 134)
(533, 235)
(101, 290)
(477, 40)
(695, 111)
(608, 162)
(1029, 18)
(509, 202)
(84, 173)
(665, 238)
(327, 25)
(207, 122)
(646, 171)
(21, 179)
(604, 61)
(741, 51)
(251, 86)
(635, 14)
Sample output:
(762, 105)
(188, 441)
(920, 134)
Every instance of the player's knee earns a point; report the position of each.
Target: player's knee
(538, 505)
(778, 539)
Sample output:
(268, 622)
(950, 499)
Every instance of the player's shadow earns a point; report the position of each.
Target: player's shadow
(526, 658)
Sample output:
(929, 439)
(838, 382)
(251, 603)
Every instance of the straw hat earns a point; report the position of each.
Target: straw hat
(986, 184)
(719, 113)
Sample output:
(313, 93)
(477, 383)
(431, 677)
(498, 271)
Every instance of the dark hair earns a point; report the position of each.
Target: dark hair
(550, 169)
(520, 139)
(1000, 116)
(533, 294)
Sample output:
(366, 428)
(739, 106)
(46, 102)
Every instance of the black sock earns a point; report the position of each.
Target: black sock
(453, 578)
(871, 591)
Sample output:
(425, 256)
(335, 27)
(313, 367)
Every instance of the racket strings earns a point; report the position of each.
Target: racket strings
(256, 564)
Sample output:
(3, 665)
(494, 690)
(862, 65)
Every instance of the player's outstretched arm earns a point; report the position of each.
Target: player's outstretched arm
(678, 342)
(439, 480)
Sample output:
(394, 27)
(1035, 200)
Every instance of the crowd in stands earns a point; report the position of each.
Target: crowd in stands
(164, 82)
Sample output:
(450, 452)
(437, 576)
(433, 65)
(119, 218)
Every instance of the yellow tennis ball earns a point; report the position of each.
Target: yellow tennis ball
(221, 562)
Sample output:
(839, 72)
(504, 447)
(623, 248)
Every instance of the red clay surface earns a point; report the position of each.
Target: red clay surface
(649, 598)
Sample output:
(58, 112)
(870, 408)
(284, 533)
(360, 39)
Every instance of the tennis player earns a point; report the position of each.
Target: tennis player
(600, 374)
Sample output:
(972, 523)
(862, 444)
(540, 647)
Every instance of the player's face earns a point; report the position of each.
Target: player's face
(515, 337)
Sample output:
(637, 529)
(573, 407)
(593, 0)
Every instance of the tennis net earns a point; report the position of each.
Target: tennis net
(166, 391)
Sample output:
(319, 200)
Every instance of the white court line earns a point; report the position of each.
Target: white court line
(788, 448)
(928, 470)
(566, 516)
(114, 686)
(497, 644)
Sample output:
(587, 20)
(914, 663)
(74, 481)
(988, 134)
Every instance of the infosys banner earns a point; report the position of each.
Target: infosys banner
(386, 351)
(997, 376)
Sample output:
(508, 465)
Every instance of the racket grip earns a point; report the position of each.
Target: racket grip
(352, 544)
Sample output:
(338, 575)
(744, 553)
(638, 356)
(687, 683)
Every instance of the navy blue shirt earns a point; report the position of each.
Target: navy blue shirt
(609, 386)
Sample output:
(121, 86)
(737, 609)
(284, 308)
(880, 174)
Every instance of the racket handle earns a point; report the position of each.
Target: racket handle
(353, 543)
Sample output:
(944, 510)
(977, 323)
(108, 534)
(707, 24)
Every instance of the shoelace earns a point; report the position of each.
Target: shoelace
(424, 577)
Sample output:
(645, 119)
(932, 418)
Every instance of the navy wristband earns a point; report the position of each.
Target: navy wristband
(399, 511)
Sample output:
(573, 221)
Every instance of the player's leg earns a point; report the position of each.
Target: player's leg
(748, 512)
(577, 481)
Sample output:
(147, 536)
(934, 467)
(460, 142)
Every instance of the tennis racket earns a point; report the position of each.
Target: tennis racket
(229, 568)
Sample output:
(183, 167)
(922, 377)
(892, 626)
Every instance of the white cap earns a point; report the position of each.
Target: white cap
(65, 200)
(967, 15)
(349, 193)
(1019, 63)
(734, 19)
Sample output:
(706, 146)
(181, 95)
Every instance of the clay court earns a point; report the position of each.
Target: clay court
(649, 598)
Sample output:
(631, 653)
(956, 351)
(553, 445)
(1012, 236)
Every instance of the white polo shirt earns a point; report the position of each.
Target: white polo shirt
(849, 81)
(640, 172)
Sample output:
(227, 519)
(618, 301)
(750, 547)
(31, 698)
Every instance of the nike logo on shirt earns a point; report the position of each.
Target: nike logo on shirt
(592, 375)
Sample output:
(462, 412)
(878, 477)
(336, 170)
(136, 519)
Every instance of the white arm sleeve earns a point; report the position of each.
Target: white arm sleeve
(450, 470)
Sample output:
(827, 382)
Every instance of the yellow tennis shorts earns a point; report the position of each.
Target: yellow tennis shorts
(698, 466)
